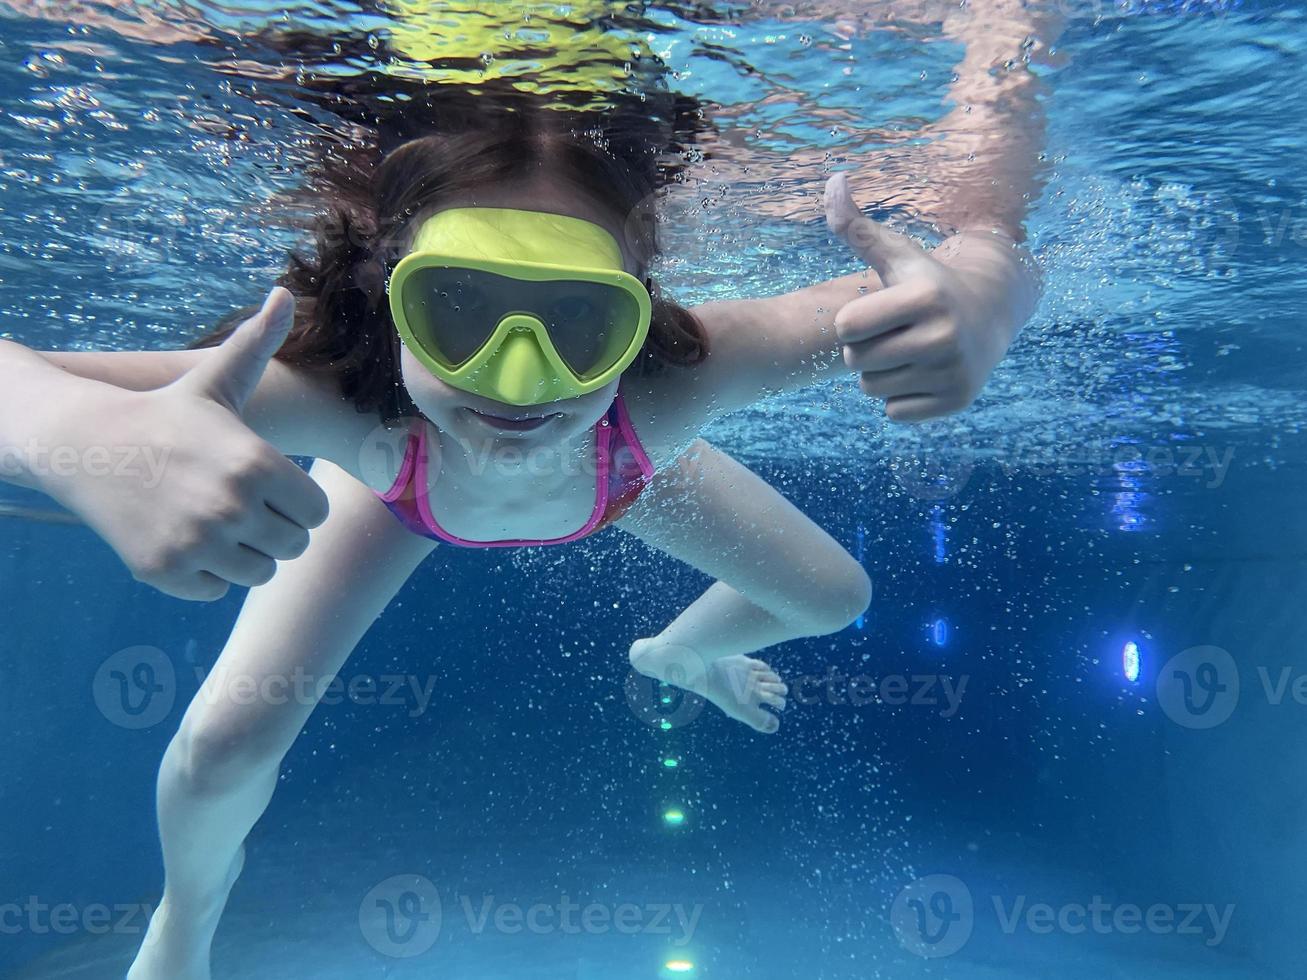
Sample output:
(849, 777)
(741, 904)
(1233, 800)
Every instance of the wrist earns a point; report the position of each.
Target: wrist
(998, 266)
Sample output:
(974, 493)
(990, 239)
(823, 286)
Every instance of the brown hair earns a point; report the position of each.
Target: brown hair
(364, 194)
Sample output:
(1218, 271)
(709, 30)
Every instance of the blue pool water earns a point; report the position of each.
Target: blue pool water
(1064, 741)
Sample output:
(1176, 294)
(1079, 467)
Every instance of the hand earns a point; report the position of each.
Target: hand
(927, 341)
(201, 503)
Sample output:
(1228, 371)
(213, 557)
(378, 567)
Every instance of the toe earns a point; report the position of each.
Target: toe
(761, 720)
(774, 700)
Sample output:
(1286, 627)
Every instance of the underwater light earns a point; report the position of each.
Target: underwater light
(677, 967)
(674, 817)
(1130, 661)
(670, 763)
(665, 725)
(939, 531)
(939, 631)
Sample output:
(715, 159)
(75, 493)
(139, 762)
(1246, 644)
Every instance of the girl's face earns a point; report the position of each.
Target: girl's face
(474, 418)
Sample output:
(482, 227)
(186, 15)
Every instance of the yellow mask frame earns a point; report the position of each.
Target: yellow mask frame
(471, 265)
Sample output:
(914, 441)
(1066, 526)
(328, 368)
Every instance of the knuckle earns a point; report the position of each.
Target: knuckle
(898, 413)
(930, 293)
(948, 340)
(208, 591)
(159, 564)
(187, 537)
(320, 509)
(215, 592)
(263, 572)
(225, 509)
(250, 463)
(298, 545)
(843, 324)
(149, 570)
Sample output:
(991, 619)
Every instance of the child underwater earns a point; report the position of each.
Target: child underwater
(480, 300)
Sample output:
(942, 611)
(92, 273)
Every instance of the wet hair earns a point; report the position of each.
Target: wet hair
(365, 192)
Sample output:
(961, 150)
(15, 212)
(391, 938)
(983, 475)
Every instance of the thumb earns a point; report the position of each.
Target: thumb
(230, 375)
(884, 250)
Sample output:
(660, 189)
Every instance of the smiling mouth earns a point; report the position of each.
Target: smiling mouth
(511, 424)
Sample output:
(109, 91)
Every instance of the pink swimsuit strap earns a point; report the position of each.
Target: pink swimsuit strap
(623, 470)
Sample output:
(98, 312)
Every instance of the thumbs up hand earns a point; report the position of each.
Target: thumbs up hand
(927, 341)
(199, 502)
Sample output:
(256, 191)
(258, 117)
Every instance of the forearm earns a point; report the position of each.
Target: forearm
(986, 153)
(1002, 269)
(35, 397)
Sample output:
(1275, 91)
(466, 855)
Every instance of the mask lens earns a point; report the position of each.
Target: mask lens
(591, 324)
(452, 313)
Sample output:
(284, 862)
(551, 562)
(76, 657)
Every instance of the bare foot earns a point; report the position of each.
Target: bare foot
(176, 945)
(739, 685)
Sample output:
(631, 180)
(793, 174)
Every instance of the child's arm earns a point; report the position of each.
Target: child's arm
(780, 577)
(298, 413)
(923, 329)
(154, 454)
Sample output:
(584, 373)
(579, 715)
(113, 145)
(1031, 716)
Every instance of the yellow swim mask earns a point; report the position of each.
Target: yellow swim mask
(524, 307)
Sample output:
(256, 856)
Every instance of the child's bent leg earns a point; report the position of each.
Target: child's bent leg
(220, 770)
(780, 577)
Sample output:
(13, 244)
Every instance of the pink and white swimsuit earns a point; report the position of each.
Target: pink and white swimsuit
(623, 472)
